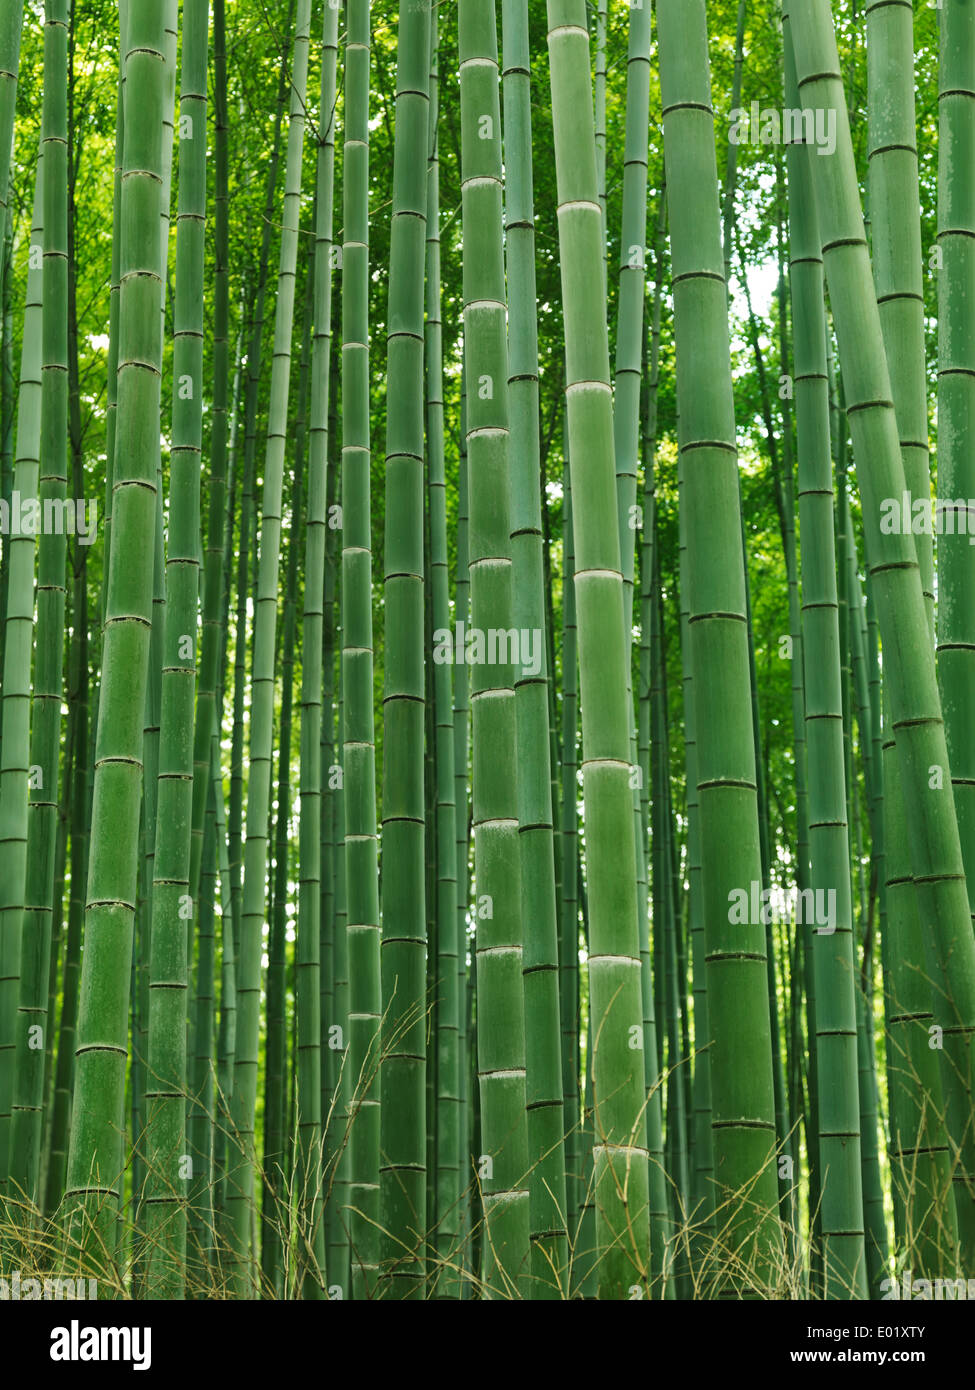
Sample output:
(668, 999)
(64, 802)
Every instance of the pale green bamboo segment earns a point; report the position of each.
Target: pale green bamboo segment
(621, 1175)
(497, 853)
(956, 455)
(241, 1177)
(546, 1119)
(449, 1109)
(11, 24)
(95, 1163)
(172, 902)
(743, 1112)
(45, 734)
(403, 1122)
(358, 733)
(15, 746)
(833, 945)
(915, 707)
(308, 967)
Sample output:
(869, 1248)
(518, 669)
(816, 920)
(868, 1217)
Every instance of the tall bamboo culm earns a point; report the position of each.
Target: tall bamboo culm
(742, 1103)
(616, 1006)
(403, 1123)
(95, 1163)
(241, 1178)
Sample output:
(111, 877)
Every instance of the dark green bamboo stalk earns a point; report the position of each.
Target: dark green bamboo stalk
(403, 1124)
(447, 1214)
(15, 744)
(213, 630)
(358, 732)
(275, 1161)
(308, 971)
(241, 1180)
(11, 24)
(461, 859)
(546, 1121)
(248, 528)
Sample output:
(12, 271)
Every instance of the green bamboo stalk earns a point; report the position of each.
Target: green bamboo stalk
(743, 1115)
(172, 902)
(200, 1146)
(248, 529)
(497, 853)
(659, 1201)
(213, 569)
(546, 1120)
(358, 731)
(703, 1195)
(79, 835)
(569, 918)
(227, 1032)
(916, 713)
(403, 1122)
(844, 1258)
(447, 1215)
(308, 968)
(111, 395)
(15, 744)
(275, 1162)
(956, 470)
(462, 585)
(11, 24)
(241, 1180)
(339, 1253)
(620, 1149)
(94, 1155)
(45, 741)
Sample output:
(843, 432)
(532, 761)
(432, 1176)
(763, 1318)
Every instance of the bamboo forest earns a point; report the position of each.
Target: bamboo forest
(487, 650)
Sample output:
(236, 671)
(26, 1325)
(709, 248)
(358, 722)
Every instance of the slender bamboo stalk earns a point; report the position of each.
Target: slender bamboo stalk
(15, 744)
(616, 1012)
(358, 732)
(447, 1215)
(403, 1123)
(308, 1165)
(546, 1121)
(844, 1259)
(241, 1180)
(45, 741)
(11, 24)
